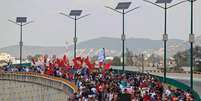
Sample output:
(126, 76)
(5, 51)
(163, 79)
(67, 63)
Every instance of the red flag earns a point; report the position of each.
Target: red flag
(78, 61)
(62, 64)
(67, 68)
(107, 66)
(88, 63)
(65, 59)
(54, 62)
(57, 62)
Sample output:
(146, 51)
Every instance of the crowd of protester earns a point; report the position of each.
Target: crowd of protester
(107, 85)
(111, 86)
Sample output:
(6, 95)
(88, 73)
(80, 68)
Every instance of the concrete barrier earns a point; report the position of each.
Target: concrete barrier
(41, 79)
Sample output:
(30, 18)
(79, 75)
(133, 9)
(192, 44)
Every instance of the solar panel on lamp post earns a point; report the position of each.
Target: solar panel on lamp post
(123, 6)
(74, 14)
(21, 21)
(165, 35)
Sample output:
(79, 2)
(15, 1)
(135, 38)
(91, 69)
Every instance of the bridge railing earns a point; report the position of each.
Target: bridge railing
(171, 82)
(179, 85)
(41, 79)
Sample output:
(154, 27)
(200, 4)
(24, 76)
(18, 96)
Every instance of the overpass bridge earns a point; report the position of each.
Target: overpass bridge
(34, 87)
(24, 86)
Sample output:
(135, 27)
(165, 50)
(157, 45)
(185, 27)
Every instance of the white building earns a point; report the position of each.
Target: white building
(4, 58)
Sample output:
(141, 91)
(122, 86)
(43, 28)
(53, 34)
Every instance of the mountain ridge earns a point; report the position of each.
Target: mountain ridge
(137, 45)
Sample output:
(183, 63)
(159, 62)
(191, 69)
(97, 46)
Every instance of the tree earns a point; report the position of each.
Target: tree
(116, 61)
(129, 57)
(197, 58)
(182, 58)
(29, 57)
(154, 59)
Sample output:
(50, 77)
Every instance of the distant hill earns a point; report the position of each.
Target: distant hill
(115, 43)
(131, 43)
(137, 45)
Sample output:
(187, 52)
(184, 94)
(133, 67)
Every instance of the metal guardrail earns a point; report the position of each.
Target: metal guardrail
(42, 79)
(171, 82)
(159, 71)
(180, 85)
(197, 72)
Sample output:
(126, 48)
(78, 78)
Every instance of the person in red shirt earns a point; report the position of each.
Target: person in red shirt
(146, 97)
(49, 71)
(174, 98)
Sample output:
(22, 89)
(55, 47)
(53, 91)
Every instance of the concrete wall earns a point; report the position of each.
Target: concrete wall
(33, 87)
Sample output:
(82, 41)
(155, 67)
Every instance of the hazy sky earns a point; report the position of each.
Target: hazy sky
(52, 29)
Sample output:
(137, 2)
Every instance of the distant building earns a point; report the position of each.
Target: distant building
(5, 58)
(172, 62)
(186, 69)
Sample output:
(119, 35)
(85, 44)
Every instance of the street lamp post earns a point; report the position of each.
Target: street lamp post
(191, 41)
(123, 6)
(21, 21)
(165, 35)
(104, 54)
(142, 63)
(74, 14)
